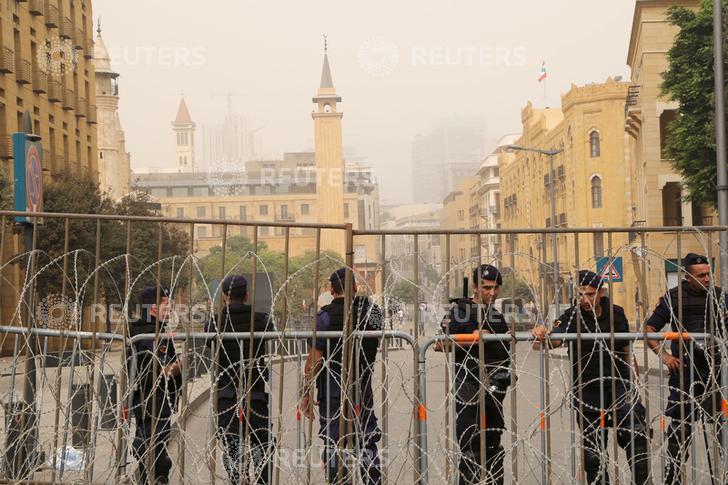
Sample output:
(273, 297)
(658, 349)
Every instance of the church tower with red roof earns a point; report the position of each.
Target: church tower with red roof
(184, 139)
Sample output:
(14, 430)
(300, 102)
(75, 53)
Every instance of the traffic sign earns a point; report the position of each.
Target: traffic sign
(28, 176)
(611, 269)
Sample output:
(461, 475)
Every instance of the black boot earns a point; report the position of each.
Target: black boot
(675, 452)
(494, 465)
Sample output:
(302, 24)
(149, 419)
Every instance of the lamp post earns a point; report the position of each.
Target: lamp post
(552, 195)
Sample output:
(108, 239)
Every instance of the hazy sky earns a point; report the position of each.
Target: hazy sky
(399, 66)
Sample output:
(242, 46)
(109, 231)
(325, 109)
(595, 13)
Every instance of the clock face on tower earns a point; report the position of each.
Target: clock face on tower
(327, 108)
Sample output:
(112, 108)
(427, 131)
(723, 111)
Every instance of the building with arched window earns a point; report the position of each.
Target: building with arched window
(594, 144)
(589, 129)
(596, 192)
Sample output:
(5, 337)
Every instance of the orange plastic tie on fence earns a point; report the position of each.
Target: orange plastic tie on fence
(602, 418)
(543, 421)
(240, 413)
(357, 410)
(422, 412)
(484, 426)
(662, 423)
(677, 336)
(466, 337)
(298, 413)
(724, 406)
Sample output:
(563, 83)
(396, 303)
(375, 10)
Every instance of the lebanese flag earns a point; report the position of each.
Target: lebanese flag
(543, 72)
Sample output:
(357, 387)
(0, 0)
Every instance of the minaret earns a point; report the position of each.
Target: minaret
(114, 163)
(329, 160)
(184, 139)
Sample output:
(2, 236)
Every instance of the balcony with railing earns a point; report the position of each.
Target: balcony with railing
(40, 81)
(285, 217)
(78, 38)
(80, 107)
(23, 71)
(6, 147)
(7, 60)
(632, 110)
(55, 91)
(65, 29)
(88, 48)
(91, 115)
(52, 15)
(36, 7)
(69, 100)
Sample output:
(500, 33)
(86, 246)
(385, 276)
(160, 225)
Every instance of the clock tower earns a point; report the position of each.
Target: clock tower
(329, 160)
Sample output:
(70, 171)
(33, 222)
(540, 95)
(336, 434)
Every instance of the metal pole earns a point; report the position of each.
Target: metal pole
(720, 138)
(555, 241)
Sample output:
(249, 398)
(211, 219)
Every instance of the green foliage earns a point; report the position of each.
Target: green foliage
(239, 257)
(6, 190)
(689, 80)
(404, 291)
(70, 194)
(516, 287)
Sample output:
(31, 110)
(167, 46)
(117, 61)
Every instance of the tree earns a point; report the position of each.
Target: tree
(239, 254)
(81, 195)
(6, 191)
(689, 80)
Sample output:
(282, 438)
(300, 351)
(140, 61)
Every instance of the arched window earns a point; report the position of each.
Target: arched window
(596, 189)
(594, 144)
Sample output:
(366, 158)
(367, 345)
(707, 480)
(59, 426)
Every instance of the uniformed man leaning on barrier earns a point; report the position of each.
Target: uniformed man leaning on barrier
(702, 311)
(235, 367)
(464, 318)
(595, 382)
(154, 395)
(324, 365)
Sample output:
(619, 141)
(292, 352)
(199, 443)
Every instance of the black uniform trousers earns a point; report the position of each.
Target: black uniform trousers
(469, 430)
(697, 402)
(153, 427)
(230, 417)
(632, 433)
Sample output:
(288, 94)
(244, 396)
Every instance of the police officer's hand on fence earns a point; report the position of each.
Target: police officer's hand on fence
(307, 404)
(671, 362)
(540, 333)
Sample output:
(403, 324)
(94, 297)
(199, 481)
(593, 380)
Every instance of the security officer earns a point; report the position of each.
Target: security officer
(464, 319)
(232, 384)
(324, 364)
(153, 420)
(595, 381)
(701, 313)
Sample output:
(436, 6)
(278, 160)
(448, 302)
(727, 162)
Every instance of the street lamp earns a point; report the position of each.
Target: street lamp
(552, 195)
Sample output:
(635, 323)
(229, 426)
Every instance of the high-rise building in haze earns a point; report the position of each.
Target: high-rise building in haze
(451, 151)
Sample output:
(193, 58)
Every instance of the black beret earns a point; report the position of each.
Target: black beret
(149, 294)
(590, 278)
(338, 276)
(693, 258)
(488, 272)
(233, 281)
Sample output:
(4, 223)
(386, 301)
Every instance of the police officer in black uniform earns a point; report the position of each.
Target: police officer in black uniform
(324, 365)
(464, 319)
(232, 385)
(701, 313)
(153, 421)
(595, 381)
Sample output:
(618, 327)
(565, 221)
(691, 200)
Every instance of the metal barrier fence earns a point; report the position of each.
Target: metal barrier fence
(71, 264)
